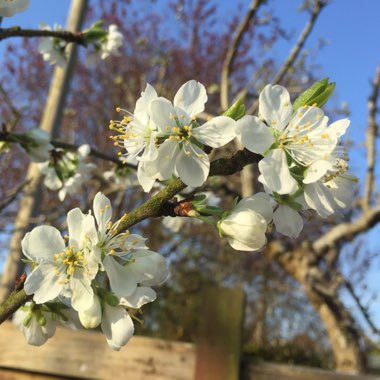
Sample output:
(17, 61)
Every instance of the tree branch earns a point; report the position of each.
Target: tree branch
(362, 308)
(156, 206)
(347, 231)
(64, 35)
(232, 51)
(371, 141)
(14, 301)
(294, 52)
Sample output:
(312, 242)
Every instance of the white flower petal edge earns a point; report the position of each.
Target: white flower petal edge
(275, 173)
(287, 221)
(191, 97)
(117, 326)
(245, 230)
(275, 107)
(254, 134)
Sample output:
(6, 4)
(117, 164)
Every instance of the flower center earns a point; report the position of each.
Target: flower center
(70, 259)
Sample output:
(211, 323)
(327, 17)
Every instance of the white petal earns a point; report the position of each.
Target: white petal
(43, 283)
(145, 181)
(83, 151)
(319, 198)
(338, 128)
(287, 221)
(42, 243)
(122, 279)
(254, 134)
(275, 173)
(141, 296)
(260, 203)
(149, 268)
(103, 212)
(275, 107)
(191, 97)
(117, 326)
(162, 114)
(142, 105)
(163, 167)
(217, 132)
(81, 227)
(193, 165)
(91, 317)
(34, 333)
(82, 292)
(317, 170)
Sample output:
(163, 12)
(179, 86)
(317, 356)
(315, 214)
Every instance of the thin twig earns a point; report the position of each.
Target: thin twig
(362, 308)
(232, 51)
(347, 231)
(295, 51)
(13, 195)
(16, 31)
(372, 133)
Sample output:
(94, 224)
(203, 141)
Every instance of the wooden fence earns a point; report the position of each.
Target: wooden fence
(86, 355)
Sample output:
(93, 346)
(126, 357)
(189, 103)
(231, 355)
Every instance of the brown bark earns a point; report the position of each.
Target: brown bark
(321, 287)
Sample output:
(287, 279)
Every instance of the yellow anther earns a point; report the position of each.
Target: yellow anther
(118, 109)
(300, 114)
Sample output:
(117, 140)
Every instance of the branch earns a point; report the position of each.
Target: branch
(156, 206)
(14, 301)
(371, 141)
(93, 152)
(294, 52)
(16, 31)
(4, 136)
(232, 51)
(347, 231)
(362, 308)
(13, 195)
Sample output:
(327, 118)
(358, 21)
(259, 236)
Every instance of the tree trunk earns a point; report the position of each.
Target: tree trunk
(50, 123)
(321, 287)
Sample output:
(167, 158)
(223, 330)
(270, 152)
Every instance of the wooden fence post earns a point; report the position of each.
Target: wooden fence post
(219, 335)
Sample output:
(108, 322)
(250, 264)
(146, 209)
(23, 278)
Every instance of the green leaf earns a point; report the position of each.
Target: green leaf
(236, 111)
(317, 94)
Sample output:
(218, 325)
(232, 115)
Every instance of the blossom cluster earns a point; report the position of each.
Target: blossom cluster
(69, 276)
(103, 43)
(166, 138)
(303, 166)
(66, 171)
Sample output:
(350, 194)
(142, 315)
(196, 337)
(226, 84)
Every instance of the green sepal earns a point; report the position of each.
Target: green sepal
(95, 32)
(27, 319)
(41, 320)
(111, 299)
(236, 111)
(317, 94)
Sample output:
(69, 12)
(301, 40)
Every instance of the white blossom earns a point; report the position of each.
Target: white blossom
(9, 8)
(36, 324)
(39, 148)
(281, 135)
(246, 225)
(52, 49)
(137, 134)
(68, 172)
(181, 153)
(112, 43)
(61, 269)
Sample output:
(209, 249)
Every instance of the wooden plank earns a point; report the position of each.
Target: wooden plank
(10, 374)
(269, 371)
(85, 354)
(220, 333)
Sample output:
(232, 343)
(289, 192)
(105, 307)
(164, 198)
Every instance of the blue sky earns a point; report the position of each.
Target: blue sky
(350, 58)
